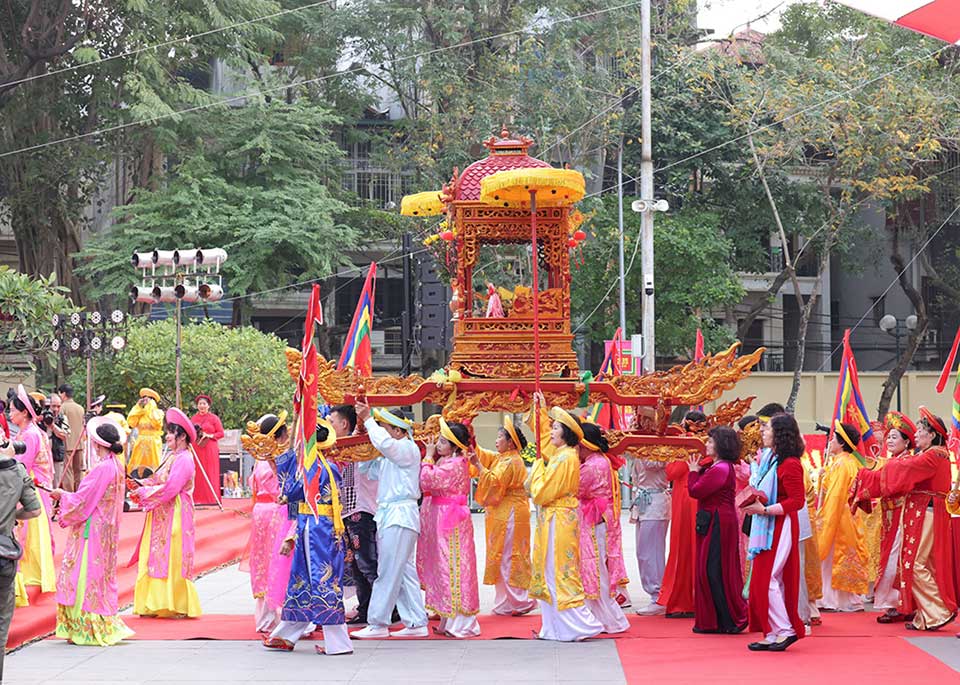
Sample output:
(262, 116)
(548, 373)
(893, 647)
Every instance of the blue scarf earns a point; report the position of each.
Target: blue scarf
(763, 476)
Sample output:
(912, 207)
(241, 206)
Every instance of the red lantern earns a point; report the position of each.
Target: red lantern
(579, 235)
(447, 236)
(571, 243)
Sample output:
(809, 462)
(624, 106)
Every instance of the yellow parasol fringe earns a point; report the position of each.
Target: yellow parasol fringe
(554, 187)
(422, 204)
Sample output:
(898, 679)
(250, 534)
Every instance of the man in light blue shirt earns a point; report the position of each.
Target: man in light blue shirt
(398, 526)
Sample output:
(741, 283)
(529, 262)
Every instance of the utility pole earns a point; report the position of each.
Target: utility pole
(623, 287)
(646, 192)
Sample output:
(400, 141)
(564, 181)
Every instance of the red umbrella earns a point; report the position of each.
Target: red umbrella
(936, 18)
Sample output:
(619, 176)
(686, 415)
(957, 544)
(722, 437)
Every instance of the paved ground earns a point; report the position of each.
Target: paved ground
(213, 662)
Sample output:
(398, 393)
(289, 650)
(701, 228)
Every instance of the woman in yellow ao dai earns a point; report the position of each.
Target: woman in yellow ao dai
(553, 484)
(500, 490)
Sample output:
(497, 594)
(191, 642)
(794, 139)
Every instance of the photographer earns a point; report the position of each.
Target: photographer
(57, 428)
(16, 488)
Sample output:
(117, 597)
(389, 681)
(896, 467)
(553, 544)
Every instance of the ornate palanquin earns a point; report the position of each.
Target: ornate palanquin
(502, 347)
(492, 367)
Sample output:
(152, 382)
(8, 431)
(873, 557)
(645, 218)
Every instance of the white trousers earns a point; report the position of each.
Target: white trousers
(780, 625)
(265, 617)
(460, 626)
(508, 599)
(886, 595)
(605, 609)
(838, 600)
(335, 638)
(568, 625)
(397, 583)
(651, 537)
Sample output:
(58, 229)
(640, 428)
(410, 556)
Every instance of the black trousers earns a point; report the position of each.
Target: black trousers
(362, 533)
(8, 572)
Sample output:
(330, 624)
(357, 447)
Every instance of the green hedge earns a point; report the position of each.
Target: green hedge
(242, 369)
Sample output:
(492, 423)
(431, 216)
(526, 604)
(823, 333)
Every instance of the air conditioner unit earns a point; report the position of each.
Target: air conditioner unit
(929, 350)
(376, 342)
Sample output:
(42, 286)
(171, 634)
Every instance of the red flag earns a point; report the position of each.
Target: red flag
(948, 367)
(305, 404)
(698, 347)
(601, 413)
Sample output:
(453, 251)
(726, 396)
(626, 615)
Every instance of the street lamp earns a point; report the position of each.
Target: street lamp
(892, 326)
(185, 275)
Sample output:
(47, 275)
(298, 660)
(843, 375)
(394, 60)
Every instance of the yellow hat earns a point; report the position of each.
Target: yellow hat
(567, 419)
(385, 416)
(586, 443)
(449, 435)
(331, 438)
(148, 392)
(511, 430)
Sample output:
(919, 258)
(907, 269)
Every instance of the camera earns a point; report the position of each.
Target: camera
(19, 447)
(648, 284)
(47, 417)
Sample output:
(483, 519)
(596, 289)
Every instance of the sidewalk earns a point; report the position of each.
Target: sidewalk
(895, 657)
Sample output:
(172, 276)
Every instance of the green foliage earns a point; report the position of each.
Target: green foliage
(242, 369)
(253, 181)
(27, 306)
(692, 270)
(49, 190)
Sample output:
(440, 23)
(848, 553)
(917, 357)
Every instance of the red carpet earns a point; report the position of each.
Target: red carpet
(847, 648)
(725, 659)
(861, 626)
(221, 539)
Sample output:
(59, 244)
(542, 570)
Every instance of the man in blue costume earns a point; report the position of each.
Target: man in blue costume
(315, 589)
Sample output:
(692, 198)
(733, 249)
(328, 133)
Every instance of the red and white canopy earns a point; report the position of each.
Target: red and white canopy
(937, 18)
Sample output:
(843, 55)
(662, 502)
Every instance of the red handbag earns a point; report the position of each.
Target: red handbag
(748, 496)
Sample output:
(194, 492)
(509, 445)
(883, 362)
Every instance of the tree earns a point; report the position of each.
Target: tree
(47, 31)
(242, 369)
(87, 82)
(864, 143)
(253, 181)
(694, 277)
(27, 308)
(462, 71)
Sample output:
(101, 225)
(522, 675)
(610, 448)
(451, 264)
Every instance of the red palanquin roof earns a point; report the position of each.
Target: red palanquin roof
(505, 153)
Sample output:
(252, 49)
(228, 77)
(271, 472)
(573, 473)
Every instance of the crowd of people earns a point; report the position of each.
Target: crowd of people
(761, 537)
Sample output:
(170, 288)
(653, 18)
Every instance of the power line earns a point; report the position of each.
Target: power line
(167, 43)
(792, 115)
(286, 86)
(894, 281)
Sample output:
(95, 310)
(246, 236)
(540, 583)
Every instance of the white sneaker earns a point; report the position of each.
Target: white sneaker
(371, 633)
(410, 632)
(652, 609)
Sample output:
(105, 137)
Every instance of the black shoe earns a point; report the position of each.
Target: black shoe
(911, 626)
(759, 646)
(703, 631)
(680, 614)
(782, 646)
(395, 617)
(357, 620)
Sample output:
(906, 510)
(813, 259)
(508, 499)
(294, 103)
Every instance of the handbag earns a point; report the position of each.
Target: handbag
(748, 496)
(703, 522)
(10, 548)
